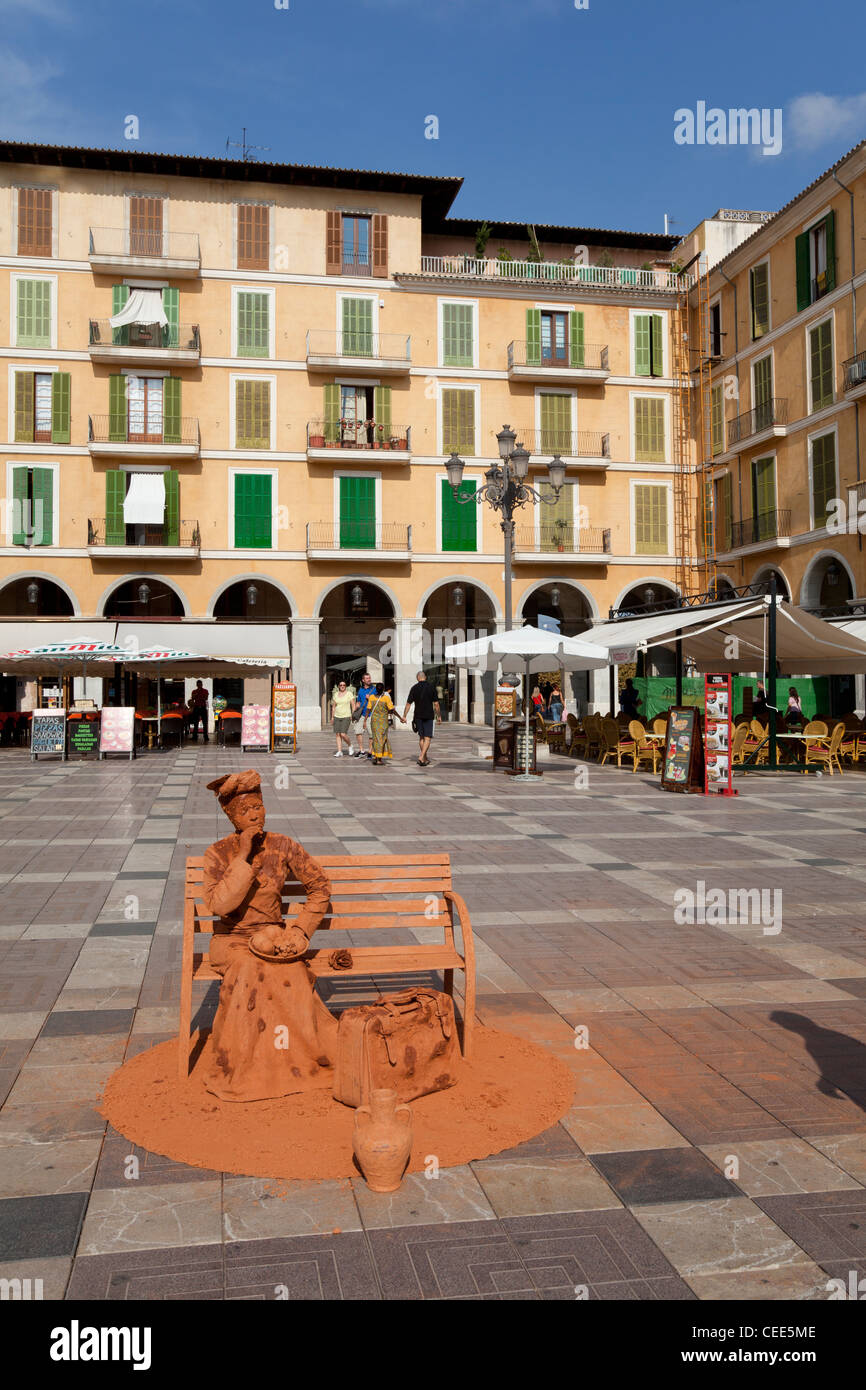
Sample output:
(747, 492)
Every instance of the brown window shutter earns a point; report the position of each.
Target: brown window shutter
(253, 236)
(380, 245)
(334, 244)
(34, 222)
(145, 226)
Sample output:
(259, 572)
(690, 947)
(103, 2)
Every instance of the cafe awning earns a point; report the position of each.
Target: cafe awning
(254, 648)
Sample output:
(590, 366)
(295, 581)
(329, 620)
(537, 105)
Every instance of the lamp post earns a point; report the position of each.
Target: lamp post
(506, 489)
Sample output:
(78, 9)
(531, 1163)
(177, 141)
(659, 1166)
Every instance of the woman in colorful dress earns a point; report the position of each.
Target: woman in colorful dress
(378, 710)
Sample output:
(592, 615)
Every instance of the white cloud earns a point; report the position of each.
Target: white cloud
(816, 119)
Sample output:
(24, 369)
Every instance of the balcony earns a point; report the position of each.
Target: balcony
(342, 441)
(145, 344)
(855, 376)
(141, 542)
(110, 437)
(766, 531)
(365, 354)
(359, 540)
(766, 421)
(588, 448)
(119, 250)
(535, 362)
(561, 544)
(552, 274)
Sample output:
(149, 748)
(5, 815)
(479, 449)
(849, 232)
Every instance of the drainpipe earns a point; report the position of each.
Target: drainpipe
(847, 190)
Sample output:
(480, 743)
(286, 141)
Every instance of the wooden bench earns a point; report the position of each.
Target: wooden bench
(368, 891)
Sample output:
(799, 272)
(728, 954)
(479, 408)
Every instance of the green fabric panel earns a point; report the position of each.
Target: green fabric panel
(658, 693)
(642, 348)
(382, 411)
(171, 307)
(801, 258)
(331, 410)
(34, 313)
(25, 406)
(459, 519)
(357, 513)
(43, 506)
(823, 476)
(119, 296)
(253, 325)
(171, 533)
(117, 409)
(61, 404)
(830, 224)
(656, 345)
(575, 337)
(115, 492)
(253, 510)
(20, 481)
(358, 327)
(555, 417)
(764, 497)
(171, 404)
(821, 364)
(533, 337)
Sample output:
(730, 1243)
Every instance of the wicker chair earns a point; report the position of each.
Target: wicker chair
(738, 747)
(613, 743)
(643, 749)
(556, 738)
(660, 726)
(592, 729)
(577, 737)
(826, 753)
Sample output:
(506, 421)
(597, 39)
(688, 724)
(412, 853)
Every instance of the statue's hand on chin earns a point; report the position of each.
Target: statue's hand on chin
(283, 943)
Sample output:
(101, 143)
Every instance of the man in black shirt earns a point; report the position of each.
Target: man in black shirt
(423, 697)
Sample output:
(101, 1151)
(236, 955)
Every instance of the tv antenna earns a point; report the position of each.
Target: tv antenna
(242, 145)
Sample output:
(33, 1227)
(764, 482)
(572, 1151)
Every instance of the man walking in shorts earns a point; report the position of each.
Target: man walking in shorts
(366, 690)
(423, 697)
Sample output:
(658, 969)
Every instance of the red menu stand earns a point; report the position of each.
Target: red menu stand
(718, 736)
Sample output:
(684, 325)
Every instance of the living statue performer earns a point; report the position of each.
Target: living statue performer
(272, 1035)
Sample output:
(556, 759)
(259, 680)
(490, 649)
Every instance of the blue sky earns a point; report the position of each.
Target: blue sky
(551, 114)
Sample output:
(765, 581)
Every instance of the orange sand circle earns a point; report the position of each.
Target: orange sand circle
(509, 1092)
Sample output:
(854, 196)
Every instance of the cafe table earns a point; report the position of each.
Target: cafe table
(151, 728)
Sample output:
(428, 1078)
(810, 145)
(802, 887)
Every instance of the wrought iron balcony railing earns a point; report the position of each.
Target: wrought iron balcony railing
(358, 343)
(359, 535)
(119, 429)
(566, 443)
(765, 415)
(551, 272)
(130, 241)
(108, 533)
(358, 434)
(766, 526)
(183, 336)
(855, 371)
(563, 539)
(590, 356)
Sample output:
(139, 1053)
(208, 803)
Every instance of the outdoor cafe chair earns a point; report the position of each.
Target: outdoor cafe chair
(816, 726)
(643, 749)
(556, 737)
(660, 726)
(577, 737)
(594, 737)
(171, 730)
(738, 747)
(826, 752)
(614, 745)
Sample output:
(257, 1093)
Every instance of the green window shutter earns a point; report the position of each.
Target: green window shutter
(651, 519)
(830, 225)
(823, 477)
(331, 411)
(649, 430)
(717, 420)
(25, 405)
(457, 347)
(760, 297)
(252, 415)
(357, 513)
(642, 345)
(458, 422)
(801, 258)
(724, 512)
(764, 497)
(171, 417)
(43, 506)
(115, 492)
(708, 532)
(533, 337)
(171, 534)
(656, 347)
(555, 417)
(20, 480)
(821, 365)
(459, 519)
(382, 411)
(556, 518)
(253, 325)
(575, 337)
(117, 409)
(34, 313)
(171, 308)
(253, 510)
(763, 388)
(119, 296)
(357, 328)
(61, 387)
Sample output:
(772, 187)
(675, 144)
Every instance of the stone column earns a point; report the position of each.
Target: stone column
(860, 696)
(462, 694)
(476, 706)
(408, 659)
(599, 687)
(305, 673)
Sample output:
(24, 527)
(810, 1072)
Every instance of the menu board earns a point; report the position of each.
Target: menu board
(504, 712)
(683, 761)
(718, 776)
(506, 702)
(83, 735)
(519, 749)
(255, 726)
(117, 730)
(48, 732)
(283, 711)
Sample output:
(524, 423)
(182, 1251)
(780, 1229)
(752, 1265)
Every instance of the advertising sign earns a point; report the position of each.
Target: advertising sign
(48, 732)
(83, 735)
(683, 760)
(117, 730)
(718, 776)
(255, 727)
(283, 710)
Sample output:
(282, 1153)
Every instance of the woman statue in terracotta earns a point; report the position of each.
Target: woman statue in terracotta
(272, 1034)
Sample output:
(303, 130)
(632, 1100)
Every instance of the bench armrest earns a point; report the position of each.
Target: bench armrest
(456, 903)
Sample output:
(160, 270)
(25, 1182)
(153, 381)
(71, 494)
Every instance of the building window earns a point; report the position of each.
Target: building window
(34, 222)
(555, 418)
(252, 414)
(821, 364)
(145, 226)
(357, 513)
(42, 407)
(253, 323)
(459, 519)
(356, 244)
(648, 345)
(823, 477)
(33, 302)
(715, 344)
(707, 519)
(356, 316)
(32, 506)
(759, 290)
(253, 511)
(763, 498)
(253, 236)
(650, 519)
(556, 528)
(554, 338)
(649, 430)
(815, 258)
(722, 498)
(144, 409)
(458, 347)
(717, 420)
(142, 508)
(762, 388)
(458, 422)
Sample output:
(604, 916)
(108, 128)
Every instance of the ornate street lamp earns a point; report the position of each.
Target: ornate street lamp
(32, 592)
(457, 596)
(252, 595)
(144, 593)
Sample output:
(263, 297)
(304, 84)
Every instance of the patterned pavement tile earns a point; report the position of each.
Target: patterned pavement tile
(448, 1261)
(302, 1268)
(191, 1272)
(827, 1225)
(662, 1175)
(39, 1227)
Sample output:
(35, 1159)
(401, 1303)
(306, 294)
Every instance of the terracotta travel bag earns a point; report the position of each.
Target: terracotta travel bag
(404, 1042)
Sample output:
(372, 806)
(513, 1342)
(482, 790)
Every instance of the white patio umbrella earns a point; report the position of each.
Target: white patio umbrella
(537, 649)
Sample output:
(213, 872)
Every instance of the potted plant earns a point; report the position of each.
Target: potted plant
(403, 443)
(560, 525)
(317, 439)
(344, 427)
(377, 435)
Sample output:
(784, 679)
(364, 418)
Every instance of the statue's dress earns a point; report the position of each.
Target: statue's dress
(272, 1035)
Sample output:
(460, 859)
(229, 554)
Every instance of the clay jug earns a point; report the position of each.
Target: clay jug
(383, 1140)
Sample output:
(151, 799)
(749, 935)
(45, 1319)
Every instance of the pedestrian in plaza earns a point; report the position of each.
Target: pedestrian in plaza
(760, 708)
(537, 699)
(555, 704)
(342, 701)
(366, 690)
(426, 711)
(794, 712)
(378, 710)
(198, 703)
(629, 699)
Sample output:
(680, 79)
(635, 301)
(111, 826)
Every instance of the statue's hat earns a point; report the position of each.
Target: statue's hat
(234, 784)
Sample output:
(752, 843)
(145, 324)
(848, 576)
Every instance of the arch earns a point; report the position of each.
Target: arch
(50, 579)
(132, 578)
(358, 579)
(810, 585)
(766, 571)
(246, 579)
(460, 579)
(650, 581)
(547, 582)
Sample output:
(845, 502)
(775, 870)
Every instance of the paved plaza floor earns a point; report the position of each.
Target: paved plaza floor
(716, 1147)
